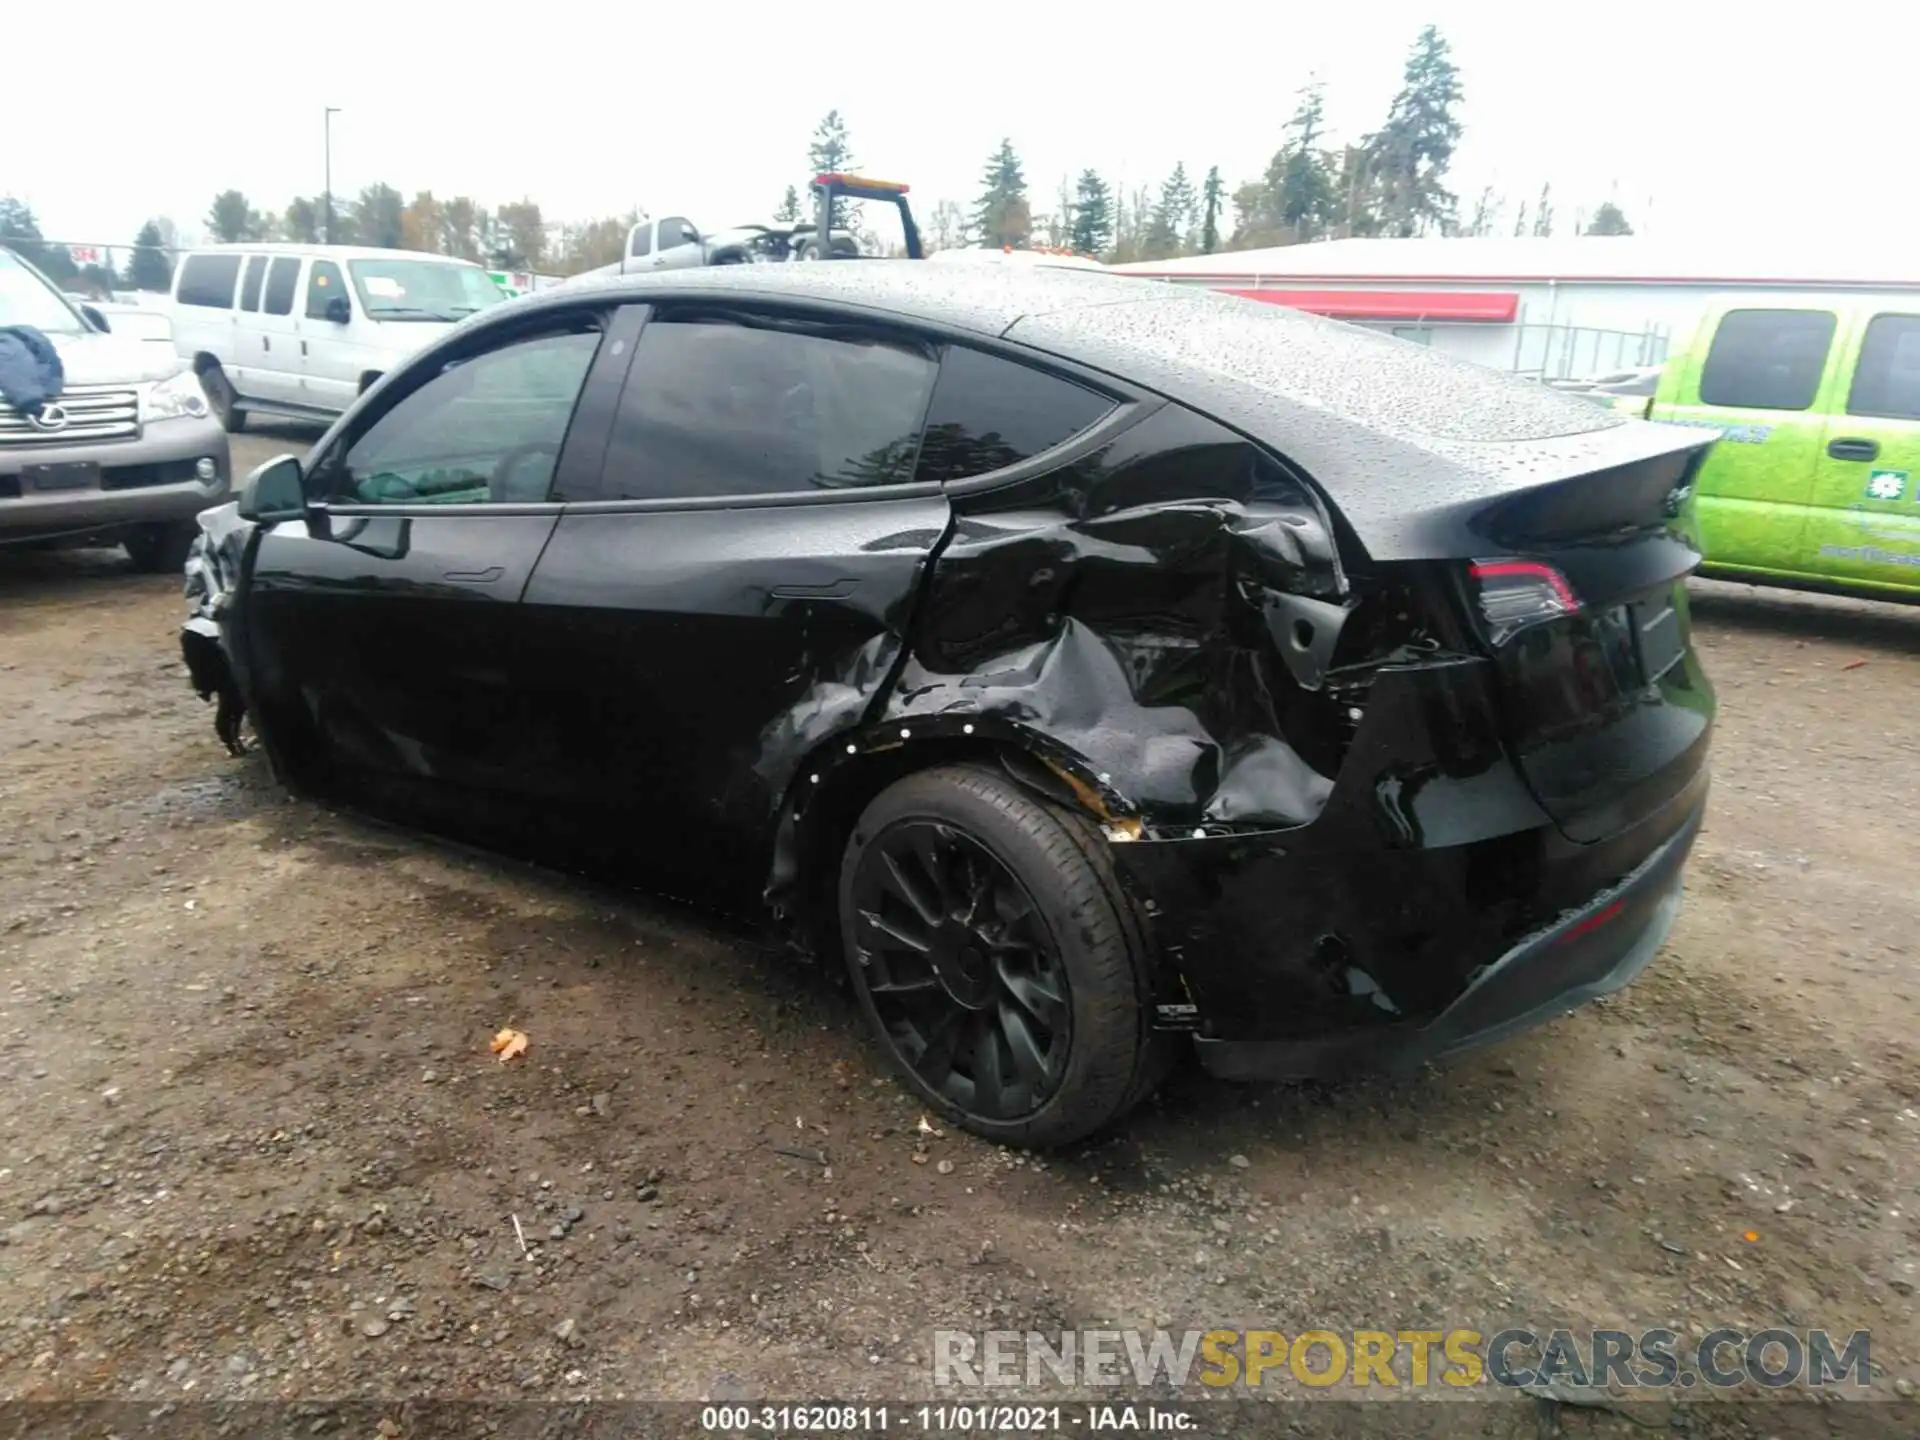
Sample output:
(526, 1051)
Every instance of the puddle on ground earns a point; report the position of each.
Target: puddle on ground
(212, 797)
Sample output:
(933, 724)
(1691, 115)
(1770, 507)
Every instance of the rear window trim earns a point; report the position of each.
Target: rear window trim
(1131, 405)
(1124, 416)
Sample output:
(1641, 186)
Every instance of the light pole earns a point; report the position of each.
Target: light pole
(326, 234)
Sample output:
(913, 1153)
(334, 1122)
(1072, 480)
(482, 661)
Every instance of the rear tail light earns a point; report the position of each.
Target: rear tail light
(1514, 594)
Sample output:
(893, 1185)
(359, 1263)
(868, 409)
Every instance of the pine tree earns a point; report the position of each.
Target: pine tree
(831, 152)
(1300, 176)
(1609, 219)
(20, 232)
(1543, 213)
(231, 218)
(1092, 215)
(789, 211)
(1484, 211)
(1172, 216)
(301, 222)
(1412, 151)
(1212, 194)
(1003, 216)
(380, 216)
(149, 268)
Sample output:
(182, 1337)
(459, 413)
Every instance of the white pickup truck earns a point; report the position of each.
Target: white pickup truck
(676, 243)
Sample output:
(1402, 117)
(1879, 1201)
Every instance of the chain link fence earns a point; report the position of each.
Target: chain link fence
(1541, 352)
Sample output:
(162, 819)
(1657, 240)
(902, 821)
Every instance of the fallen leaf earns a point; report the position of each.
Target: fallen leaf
(1850, 665)
(509, 1043)
(1752, 1237)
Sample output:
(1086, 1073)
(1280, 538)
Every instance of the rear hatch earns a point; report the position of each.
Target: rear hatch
(1606, 707)
(1432, 466)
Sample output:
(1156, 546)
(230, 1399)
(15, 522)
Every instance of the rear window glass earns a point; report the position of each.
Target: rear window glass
(716, 407)
(250, 285)
(282, 279)
(1886, 382)
(209, 280)
(1767, 359)
(988, 413)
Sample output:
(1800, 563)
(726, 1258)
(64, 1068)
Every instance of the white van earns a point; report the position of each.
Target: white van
(299, 331)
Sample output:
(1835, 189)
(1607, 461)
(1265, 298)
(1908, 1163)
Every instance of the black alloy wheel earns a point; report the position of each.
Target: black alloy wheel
(987, 942)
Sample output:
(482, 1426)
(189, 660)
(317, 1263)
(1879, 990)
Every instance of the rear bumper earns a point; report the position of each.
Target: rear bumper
(142, 481)
(1433, 904)
(1589, 953)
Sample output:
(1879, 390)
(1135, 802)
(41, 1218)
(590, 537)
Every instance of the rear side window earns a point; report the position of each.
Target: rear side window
(283, 278)
(988, 413)
(1767, 359)
(642, 241)
(1886, 382)
(208, 280)
(250, 282)
(730, 405)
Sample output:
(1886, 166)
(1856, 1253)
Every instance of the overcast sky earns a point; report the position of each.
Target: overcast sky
(1698, 121)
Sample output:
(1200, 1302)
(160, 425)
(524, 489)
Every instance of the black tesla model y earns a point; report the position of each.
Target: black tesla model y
(1101, 667)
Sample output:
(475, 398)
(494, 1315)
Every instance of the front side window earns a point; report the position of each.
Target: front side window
(283, 278)
(323, 284)
(209, 280)
(988, 413)
(1886, 382)
(421, 289)
(484, 430)
(719, 405)
(1767, 359)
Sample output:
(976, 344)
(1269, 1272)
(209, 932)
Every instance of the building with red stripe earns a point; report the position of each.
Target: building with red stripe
(1556, 308)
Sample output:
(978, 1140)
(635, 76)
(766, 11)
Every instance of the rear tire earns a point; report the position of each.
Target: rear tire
(222, 399)
(158, 549)
(1007, 980)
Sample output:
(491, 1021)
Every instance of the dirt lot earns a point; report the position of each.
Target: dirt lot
(254, 1143)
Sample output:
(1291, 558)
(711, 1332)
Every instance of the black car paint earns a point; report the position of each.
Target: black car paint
(1227, 635)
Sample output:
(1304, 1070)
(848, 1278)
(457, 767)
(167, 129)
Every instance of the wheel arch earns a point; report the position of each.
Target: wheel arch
(842, 776)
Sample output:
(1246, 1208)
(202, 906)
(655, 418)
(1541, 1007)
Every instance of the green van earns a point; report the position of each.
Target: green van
(1815, 483)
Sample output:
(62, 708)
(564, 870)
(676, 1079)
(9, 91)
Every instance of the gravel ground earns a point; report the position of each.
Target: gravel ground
(255, 1146)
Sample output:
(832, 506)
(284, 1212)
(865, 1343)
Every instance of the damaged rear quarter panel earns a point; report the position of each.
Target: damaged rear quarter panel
(1114, 610)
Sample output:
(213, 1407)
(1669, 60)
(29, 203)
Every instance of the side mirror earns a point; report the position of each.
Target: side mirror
(338, 310)
(689, 235)
(95, 318)
(274, 491)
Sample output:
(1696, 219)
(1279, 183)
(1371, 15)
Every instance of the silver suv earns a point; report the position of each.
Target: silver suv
(127, 452)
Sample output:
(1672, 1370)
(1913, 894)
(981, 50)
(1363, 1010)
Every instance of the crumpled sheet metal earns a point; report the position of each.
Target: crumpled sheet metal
(1111, 618)
(210, 584)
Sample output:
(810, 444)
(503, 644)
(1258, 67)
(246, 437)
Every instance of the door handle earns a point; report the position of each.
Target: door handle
(303, 347)
(1852, 447)
(475, 577)
(265, 343)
